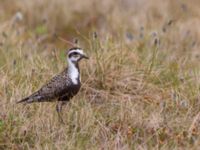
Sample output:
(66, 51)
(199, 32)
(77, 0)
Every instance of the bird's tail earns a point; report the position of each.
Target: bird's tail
(32, 98)
(25, 100)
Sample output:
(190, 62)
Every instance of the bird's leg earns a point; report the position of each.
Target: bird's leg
(59, 110)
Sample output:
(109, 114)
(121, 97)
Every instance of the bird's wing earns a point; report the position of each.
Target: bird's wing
(56, 87)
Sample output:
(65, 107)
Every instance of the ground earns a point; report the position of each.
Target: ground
(140, 86)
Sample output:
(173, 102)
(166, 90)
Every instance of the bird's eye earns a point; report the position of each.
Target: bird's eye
(75, 53)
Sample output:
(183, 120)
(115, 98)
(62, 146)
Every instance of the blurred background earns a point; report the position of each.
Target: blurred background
(129, 18)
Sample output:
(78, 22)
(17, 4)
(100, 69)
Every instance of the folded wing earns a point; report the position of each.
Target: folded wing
(55, 88)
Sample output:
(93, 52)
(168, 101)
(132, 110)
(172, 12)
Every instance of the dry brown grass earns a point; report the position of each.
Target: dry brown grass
(140, 87)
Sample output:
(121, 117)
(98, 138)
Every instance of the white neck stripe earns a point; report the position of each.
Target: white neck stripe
(73, 72)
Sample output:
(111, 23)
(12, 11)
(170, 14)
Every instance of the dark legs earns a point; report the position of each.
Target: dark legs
(59, 109)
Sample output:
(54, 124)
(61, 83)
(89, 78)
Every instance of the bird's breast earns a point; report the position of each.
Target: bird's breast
(73, 89)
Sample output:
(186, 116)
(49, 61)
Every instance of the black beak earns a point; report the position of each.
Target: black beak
(84, 56)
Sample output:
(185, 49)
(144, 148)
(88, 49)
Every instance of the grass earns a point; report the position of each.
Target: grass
(140, 87)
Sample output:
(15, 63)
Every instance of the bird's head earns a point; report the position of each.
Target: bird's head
(75, 54)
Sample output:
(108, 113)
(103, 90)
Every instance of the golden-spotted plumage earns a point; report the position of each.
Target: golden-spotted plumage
(59, 86)
(62, 86)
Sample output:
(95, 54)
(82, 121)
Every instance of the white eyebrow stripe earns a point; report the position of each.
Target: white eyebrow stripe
(80, 51)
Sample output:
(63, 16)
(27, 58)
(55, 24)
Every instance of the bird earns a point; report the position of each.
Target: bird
(63, 86)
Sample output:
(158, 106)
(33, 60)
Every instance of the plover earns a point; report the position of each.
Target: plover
(63, 86)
